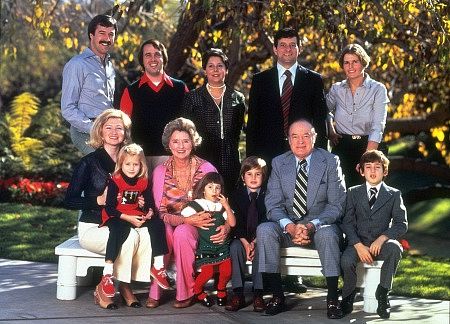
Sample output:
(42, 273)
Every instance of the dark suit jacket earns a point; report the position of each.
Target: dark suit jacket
(365, 225)
(239, 203)
(265, 133)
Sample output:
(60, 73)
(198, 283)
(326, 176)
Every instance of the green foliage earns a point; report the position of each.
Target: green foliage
(31, 233)
(431, 217)
(40, 141)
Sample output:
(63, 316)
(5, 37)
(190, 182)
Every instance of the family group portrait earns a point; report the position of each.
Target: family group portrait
(236, 161)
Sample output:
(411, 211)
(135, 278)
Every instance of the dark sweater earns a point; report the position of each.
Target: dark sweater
(90, 177)
(152, 111)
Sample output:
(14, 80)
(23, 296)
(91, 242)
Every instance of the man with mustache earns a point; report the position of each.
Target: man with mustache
(89, 82)
(152, 101)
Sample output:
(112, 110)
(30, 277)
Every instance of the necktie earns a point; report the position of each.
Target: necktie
(301, 182)
(286, 99)
(252, 217)
(373, 196)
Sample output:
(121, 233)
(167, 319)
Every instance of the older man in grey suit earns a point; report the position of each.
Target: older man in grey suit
(305, 196)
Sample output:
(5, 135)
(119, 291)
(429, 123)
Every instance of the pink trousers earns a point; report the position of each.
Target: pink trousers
(182, 244)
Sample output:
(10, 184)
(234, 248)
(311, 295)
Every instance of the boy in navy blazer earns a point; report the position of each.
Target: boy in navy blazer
(247, 202)
(374, 219)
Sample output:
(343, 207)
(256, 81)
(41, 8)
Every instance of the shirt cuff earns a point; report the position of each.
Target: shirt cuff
(316, 222)
(284, 222)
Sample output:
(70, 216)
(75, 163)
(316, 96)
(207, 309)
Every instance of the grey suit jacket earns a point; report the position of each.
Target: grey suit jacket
(365, 225)
(325, 191)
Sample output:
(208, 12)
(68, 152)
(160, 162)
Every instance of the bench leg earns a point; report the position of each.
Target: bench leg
(66, 286)
(371, 281)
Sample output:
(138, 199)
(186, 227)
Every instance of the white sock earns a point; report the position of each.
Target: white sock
(108, 269)
(158, 262)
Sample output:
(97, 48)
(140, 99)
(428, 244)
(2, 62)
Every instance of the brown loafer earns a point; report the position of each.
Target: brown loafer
(258, 304)
(184, 303)
(152, 303)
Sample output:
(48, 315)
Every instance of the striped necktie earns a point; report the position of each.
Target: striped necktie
(286, 99)
(301, 183)
(373, 196)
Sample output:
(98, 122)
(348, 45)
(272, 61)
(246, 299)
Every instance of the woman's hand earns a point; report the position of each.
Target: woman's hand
(101, 200)
(221, 235)
(201, 220)
(141, 201)
(136, 221)
(149, 214)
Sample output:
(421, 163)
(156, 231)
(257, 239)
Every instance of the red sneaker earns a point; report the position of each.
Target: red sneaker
(160, 276)
(107, 284)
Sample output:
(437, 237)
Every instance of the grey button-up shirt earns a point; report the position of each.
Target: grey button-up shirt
(361, 114)
(87, 89)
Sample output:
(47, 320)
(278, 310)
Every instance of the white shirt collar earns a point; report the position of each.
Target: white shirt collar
(368, 186)
(308, 159)
(281, 69)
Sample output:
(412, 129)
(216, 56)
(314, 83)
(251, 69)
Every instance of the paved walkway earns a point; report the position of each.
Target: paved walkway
(28, 295)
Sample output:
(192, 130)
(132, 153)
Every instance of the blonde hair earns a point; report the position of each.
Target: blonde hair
(132, 150)
(95, 139)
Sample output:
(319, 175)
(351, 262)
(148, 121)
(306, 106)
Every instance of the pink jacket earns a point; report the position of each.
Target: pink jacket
(158, 180)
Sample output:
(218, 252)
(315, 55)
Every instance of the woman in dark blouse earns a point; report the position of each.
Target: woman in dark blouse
(86, 192)
(218, 112)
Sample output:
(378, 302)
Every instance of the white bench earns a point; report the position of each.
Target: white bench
(74, 262)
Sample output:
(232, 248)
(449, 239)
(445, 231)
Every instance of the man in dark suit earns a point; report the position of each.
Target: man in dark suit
(374, 219)
(304, 199)
(276, 100)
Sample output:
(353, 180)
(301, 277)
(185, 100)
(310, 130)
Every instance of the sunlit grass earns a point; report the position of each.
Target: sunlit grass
(431, 217)
(32, 232)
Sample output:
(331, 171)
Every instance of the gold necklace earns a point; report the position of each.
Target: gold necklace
(186, 184)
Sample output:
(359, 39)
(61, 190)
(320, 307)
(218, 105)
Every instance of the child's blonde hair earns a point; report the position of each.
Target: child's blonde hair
(131, 150)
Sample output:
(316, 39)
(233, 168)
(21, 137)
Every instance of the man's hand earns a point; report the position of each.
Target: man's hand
(363, 253)
(375, 247)
(249, 249)
(302, 235)
(221, 235)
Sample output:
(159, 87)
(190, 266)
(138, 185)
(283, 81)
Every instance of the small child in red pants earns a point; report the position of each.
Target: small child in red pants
(211, 256)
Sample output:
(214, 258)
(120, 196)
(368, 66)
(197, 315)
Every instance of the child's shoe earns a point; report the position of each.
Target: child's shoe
(204, 299)
(221, 298)
(107, 286)
(161, 278)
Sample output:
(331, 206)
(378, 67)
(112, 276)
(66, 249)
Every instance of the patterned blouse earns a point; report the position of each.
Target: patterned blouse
(174, 199)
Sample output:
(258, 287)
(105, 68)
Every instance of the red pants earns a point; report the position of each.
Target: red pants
(207, 272)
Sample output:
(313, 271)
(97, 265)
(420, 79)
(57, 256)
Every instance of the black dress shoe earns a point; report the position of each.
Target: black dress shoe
(384, 307)
(347, 303)
(292, 285)
(275, 306)
(334, 310)
(221, 301)
(207, 301)
(235, 303)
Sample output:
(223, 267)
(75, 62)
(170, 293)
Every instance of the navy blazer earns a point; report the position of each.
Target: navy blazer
(265, 132)
(239, 203)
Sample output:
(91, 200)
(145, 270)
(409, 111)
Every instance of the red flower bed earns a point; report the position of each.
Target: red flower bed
(25, 190)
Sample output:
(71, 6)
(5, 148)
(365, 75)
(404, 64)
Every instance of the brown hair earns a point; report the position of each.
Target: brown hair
(132, 150)
(210, 177)
(372, 156)
(214, 52)
(253, 162)
(356, 50)
(156, 44)
(287, 32)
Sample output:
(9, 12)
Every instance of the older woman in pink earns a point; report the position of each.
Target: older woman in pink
(172, 188)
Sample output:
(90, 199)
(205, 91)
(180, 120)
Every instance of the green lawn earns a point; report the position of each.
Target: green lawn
(32, 232)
